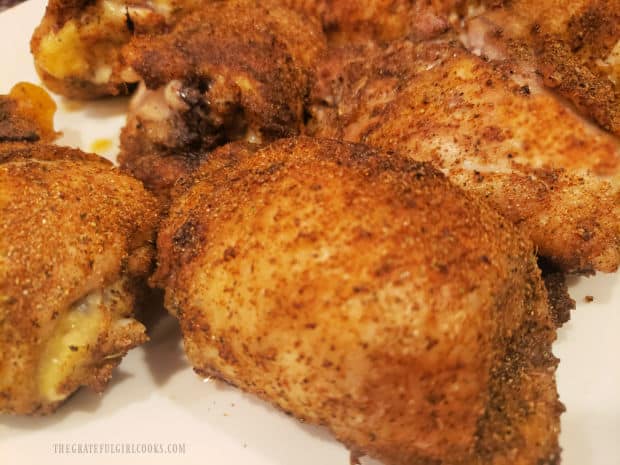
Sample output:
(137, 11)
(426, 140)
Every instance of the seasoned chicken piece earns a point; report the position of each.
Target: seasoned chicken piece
(492, 131)
(345, 21)
(366, 293)
(574, 46)
(560, 302)
(26, 115)
(77, 46)
(235, 70)
(76, 242)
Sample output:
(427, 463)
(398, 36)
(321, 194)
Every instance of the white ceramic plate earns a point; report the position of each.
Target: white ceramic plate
(156, 399)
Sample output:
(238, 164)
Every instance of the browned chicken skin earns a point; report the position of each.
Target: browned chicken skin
(206, 83)
(432, 346)
(574, 46)
(76, 242)
(365, 292)
(346, 21)
(77, 46)
(26, 115)
(492, 131)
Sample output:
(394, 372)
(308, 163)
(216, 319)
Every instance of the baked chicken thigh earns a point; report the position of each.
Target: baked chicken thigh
(76, 244)
(493, 131)
(365, 292)
(234, 70)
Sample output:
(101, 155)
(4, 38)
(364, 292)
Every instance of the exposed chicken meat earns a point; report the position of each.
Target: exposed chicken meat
(75, 247)
(205, 84)
(77, 47)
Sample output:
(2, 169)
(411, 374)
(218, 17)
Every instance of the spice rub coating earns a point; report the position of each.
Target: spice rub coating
(76, 243)
(573, 46)
(78, 45)
(235, 70)
(365, 292)
(381, 20)
(492, 131)
(26, 116)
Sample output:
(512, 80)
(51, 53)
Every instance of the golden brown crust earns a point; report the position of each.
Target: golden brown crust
(522, 417)
(560, 301)
(160, 173)
(364, 292)
(47, 152)
(570, 44)
(208, 40)
(345, 21)
(492, 132)
(208, 84)
(71, 227)
(26, 115)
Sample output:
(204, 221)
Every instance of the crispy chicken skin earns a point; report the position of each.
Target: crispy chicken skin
(27, 127)
(26, 115)
(77, 46)
(345, 21)
(493, 132)
(574, 46)
(366, 293)
(76, 242)
(235, 70)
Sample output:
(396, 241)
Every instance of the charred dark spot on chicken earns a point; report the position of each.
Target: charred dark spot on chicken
(232, 71)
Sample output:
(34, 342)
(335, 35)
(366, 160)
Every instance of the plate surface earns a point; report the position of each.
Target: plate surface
(156, 402)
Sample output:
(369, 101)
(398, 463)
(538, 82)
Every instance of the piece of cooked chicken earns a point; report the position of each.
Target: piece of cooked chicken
(367, 293)
(492, 131)
(76, 243)
(26, 115)
(574, 46)
(234, 70)
(77, 46)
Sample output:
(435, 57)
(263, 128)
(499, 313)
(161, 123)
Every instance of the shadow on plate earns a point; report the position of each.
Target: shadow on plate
(164, 354)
